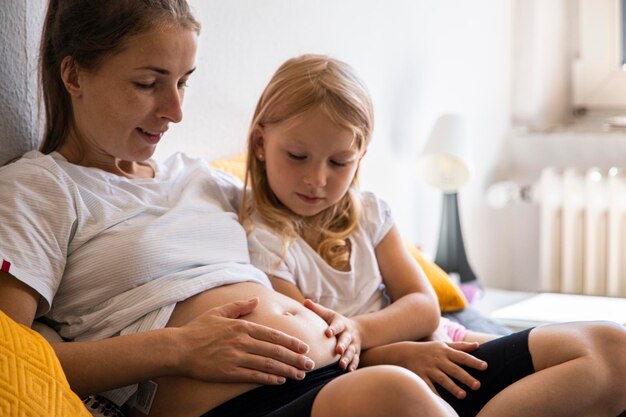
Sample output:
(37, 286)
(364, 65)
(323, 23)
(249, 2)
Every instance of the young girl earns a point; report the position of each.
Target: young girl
(319, 238)
(323, 240)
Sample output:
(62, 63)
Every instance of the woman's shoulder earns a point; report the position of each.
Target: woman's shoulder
(181, 162)
(33, 165)
(37, 180)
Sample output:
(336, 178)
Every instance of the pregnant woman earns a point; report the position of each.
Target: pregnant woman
(142, 266)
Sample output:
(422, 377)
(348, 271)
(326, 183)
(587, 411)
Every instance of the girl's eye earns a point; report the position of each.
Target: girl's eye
(296, 157)
(339, 163)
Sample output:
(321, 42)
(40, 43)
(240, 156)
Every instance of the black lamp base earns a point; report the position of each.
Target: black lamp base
(451, 255)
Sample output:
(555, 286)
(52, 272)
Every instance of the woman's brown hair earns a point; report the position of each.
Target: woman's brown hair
(89, 31)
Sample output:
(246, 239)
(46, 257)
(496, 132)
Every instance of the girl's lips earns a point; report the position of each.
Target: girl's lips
(151, 137)
(308, 199)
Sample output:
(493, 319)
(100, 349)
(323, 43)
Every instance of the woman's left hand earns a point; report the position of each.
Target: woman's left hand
(346, 331)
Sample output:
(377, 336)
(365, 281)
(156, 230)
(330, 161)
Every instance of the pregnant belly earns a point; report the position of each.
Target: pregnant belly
(183, 396)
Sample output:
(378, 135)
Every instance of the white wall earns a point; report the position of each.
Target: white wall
(420, 58)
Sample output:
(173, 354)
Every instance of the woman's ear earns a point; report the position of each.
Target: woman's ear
(258, 143)
(69, 75)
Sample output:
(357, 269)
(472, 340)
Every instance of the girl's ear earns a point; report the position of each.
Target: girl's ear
(69, 75)
(363, 154)
(258, 143)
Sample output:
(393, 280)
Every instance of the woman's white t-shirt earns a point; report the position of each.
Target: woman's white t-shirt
(111, 255)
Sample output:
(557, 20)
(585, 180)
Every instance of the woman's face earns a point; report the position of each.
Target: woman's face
(123, 108)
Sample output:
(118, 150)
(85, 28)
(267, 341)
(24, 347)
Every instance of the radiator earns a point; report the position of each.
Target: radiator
(582, 242)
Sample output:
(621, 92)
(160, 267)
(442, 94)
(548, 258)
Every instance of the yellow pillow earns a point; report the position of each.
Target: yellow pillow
(235, 165)
(450, 296)
(32, 382)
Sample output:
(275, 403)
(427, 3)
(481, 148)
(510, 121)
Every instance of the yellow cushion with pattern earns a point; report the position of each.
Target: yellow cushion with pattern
(450, 296)
(32, 382)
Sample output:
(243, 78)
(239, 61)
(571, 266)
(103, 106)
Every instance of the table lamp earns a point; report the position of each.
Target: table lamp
(443, 165)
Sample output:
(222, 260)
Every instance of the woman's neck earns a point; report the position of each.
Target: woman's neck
(127, 169)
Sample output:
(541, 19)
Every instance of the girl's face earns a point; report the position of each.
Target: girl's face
(123, 108)
(310, 161)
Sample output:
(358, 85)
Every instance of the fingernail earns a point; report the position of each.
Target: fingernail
(280, 380)
(303, 347)
(300, 375)
(309, 364)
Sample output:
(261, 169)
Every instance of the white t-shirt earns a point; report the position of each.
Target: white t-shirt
(357, 291)
(111, 255)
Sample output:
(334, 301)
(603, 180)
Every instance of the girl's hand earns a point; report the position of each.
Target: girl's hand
(217, 347)
(438, 363)
(346, 331)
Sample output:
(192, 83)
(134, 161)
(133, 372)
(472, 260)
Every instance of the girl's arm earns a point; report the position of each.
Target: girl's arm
(414, 313)
(212, 347)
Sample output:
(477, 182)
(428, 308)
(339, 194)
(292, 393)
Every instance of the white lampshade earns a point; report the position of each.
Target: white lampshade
(444, 160)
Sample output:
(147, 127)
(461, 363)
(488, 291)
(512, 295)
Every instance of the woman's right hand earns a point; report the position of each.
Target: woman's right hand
(217, 347)
(435, 362)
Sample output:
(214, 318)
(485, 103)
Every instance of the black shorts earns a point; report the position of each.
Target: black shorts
(291, 399)
(508, 360)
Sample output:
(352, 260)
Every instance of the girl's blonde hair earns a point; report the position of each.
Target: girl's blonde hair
(299, 85)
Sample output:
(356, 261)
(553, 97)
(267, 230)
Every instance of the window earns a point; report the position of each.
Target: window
(598, 75)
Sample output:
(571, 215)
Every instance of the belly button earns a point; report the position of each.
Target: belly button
(288, 313)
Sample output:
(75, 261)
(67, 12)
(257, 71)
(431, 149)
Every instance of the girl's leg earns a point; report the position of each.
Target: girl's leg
(379, 391)
(480, 337)
(580, 371)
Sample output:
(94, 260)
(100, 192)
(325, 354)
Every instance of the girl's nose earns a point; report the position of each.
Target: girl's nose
(316, 176)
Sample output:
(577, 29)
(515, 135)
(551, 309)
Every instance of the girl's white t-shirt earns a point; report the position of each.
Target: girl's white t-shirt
(357, 291)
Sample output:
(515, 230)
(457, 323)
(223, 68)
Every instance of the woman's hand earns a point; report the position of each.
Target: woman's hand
(434, 362)
(346, 331)
(217, 347)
